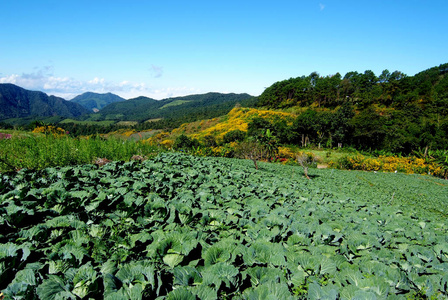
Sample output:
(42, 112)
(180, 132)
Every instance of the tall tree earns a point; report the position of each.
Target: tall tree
(341, 127)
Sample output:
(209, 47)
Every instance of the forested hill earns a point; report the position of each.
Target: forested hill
(187, 108)
(392, 111)
(427, 90)
(16, 102)
(95, 101)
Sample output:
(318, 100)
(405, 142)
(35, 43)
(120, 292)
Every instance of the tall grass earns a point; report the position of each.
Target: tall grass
(41, 151)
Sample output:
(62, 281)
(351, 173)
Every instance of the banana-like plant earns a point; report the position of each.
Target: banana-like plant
(441, 158)
(269, 141)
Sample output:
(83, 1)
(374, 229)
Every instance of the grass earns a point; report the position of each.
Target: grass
(41, 151)
(93, 123)
(143, 135)
(153, 120)
(127, 123)
(325, 156)
(174, 103)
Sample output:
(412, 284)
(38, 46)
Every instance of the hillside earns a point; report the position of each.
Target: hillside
(191, 107)
(426, 90)
(95, 102)
(392, 111)
(16, 102)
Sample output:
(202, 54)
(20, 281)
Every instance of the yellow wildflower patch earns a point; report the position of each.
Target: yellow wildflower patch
(408, 165)
(50, 129)
(238, 119)
(285, 152)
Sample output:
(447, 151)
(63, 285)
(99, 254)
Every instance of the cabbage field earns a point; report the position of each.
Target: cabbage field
(184, 227)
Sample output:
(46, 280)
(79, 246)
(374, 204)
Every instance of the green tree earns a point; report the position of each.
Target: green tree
(323, 127)
(366, 90)
(342, 129)
(234, 136)
(183, 142)
(210, 141)
(257, 126)
(368, 130)
(441, 158)
(304, 127)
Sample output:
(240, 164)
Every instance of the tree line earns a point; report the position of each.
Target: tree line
(427, 89)
(392, 111)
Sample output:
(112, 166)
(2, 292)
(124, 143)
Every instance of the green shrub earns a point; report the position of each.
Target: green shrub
(234, 136)
(183, 142)
(210, 141)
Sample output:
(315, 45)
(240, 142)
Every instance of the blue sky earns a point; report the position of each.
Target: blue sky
(170, 48)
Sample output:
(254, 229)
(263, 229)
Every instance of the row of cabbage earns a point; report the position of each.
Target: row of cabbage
(182, 227)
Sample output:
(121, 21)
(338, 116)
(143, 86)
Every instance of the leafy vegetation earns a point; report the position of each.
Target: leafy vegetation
(183, 142)
(183, 227)
(38, 151)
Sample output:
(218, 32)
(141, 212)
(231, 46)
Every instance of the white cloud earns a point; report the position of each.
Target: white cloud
(322, 6)
(96, 80)
(157, 71)
(68, 88)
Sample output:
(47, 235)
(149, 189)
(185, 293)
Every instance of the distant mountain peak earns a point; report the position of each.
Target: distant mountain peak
(95, 101)
(17, 102)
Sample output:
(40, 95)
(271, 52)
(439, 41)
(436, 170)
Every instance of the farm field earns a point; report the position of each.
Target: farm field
(185, 227)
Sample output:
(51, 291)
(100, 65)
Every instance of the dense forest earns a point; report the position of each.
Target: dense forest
(392, 111)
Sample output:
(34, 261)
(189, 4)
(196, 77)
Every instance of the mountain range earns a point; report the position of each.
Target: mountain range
(143, 108)
(16, 102)
(21, 106)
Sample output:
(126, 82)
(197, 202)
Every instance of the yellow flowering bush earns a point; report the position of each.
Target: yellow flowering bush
(285, 152)
(372, 164)
(287, 155)
(50, 129)
(202, 151)
(128, 133)
(220, 151)
(168, 144)
(238, 119)
(223, 151)
(408, 165)
(333, 164)
(160, 139)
